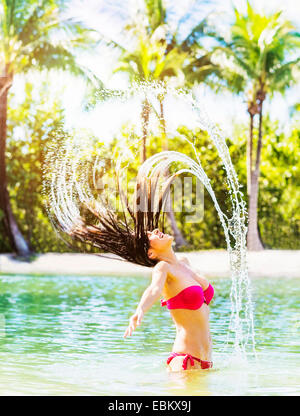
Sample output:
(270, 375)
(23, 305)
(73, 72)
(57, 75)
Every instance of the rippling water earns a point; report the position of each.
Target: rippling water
(64, 335)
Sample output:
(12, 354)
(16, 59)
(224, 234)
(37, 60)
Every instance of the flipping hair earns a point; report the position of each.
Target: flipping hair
(125, 237)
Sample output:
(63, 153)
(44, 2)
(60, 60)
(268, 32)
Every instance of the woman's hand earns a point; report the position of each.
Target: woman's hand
(135, 320)
(150, 295)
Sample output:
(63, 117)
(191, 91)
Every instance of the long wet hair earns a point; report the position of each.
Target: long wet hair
(125, 235)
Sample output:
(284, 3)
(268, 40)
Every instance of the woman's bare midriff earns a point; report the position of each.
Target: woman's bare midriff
(192, 326)
(192, 332)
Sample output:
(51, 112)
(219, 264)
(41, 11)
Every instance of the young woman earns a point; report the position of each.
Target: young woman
(135, 237)
(188, 295)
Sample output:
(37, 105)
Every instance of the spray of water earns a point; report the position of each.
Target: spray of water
(70, 164)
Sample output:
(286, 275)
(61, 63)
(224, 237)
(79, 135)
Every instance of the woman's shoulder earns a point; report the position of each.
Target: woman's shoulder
(162, 269)
(162, 266)
(184, 259)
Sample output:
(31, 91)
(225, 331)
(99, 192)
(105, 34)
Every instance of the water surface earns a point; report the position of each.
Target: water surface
(63, 335)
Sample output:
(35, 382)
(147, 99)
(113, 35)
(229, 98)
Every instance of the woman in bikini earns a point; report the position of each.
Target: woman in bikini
(188, 295)
(136, 237)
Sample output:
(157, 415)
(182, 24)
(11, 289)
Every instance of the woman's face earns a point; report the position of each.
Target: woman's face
(159, 241)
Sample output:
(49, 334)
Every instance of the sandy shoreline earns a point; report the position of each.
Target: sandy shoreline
(212, 263)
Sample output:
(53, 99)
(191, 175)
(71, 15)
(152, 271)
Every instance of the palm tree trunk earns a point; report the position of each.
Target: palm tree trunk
(254, 242)
(249, 155)
(145, 123)
(17, 241)
(178, 237)
(163, 124)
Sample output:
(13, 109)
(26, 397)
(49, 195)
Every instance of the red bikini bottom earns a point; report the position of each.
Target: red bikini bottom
(204, 364)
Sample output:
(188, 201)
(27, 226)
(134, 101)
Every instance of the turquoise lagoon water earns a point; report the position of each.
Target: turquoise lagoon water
(63, 335)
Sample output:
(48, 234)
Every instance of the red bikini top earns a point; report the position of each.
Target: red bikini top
(191, 297)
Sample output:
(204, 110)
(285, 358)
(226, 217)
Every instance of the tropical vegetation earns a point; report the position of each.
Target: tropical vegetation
(257, 57)
(34, 35)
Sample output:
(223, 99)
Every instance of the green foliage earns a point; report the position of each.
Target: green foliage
(279, 199)
(156, 53)
(32, 125)
(256, 58)
(35, 35)
(259, 56)
(207, 233)
(279, 196)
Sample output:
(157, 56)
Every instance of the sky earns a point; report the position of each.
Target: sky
(109, 17)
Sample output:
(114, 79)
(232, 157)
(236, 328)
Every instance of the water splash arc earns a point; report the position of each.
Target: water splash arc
(240, 292)
(66, 186)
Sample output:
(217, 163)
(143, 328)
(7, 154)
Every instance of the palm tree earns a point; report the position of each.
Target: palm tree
(257, 61)
(150, 59)
(157, 55)
(33, 36)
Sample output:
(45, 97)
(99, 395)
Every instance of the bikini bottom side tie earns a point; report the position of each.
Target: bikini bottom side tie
(204, 364)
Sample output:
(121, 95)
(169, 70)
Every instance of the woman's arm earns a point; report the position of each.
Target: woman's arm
(150, 295)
